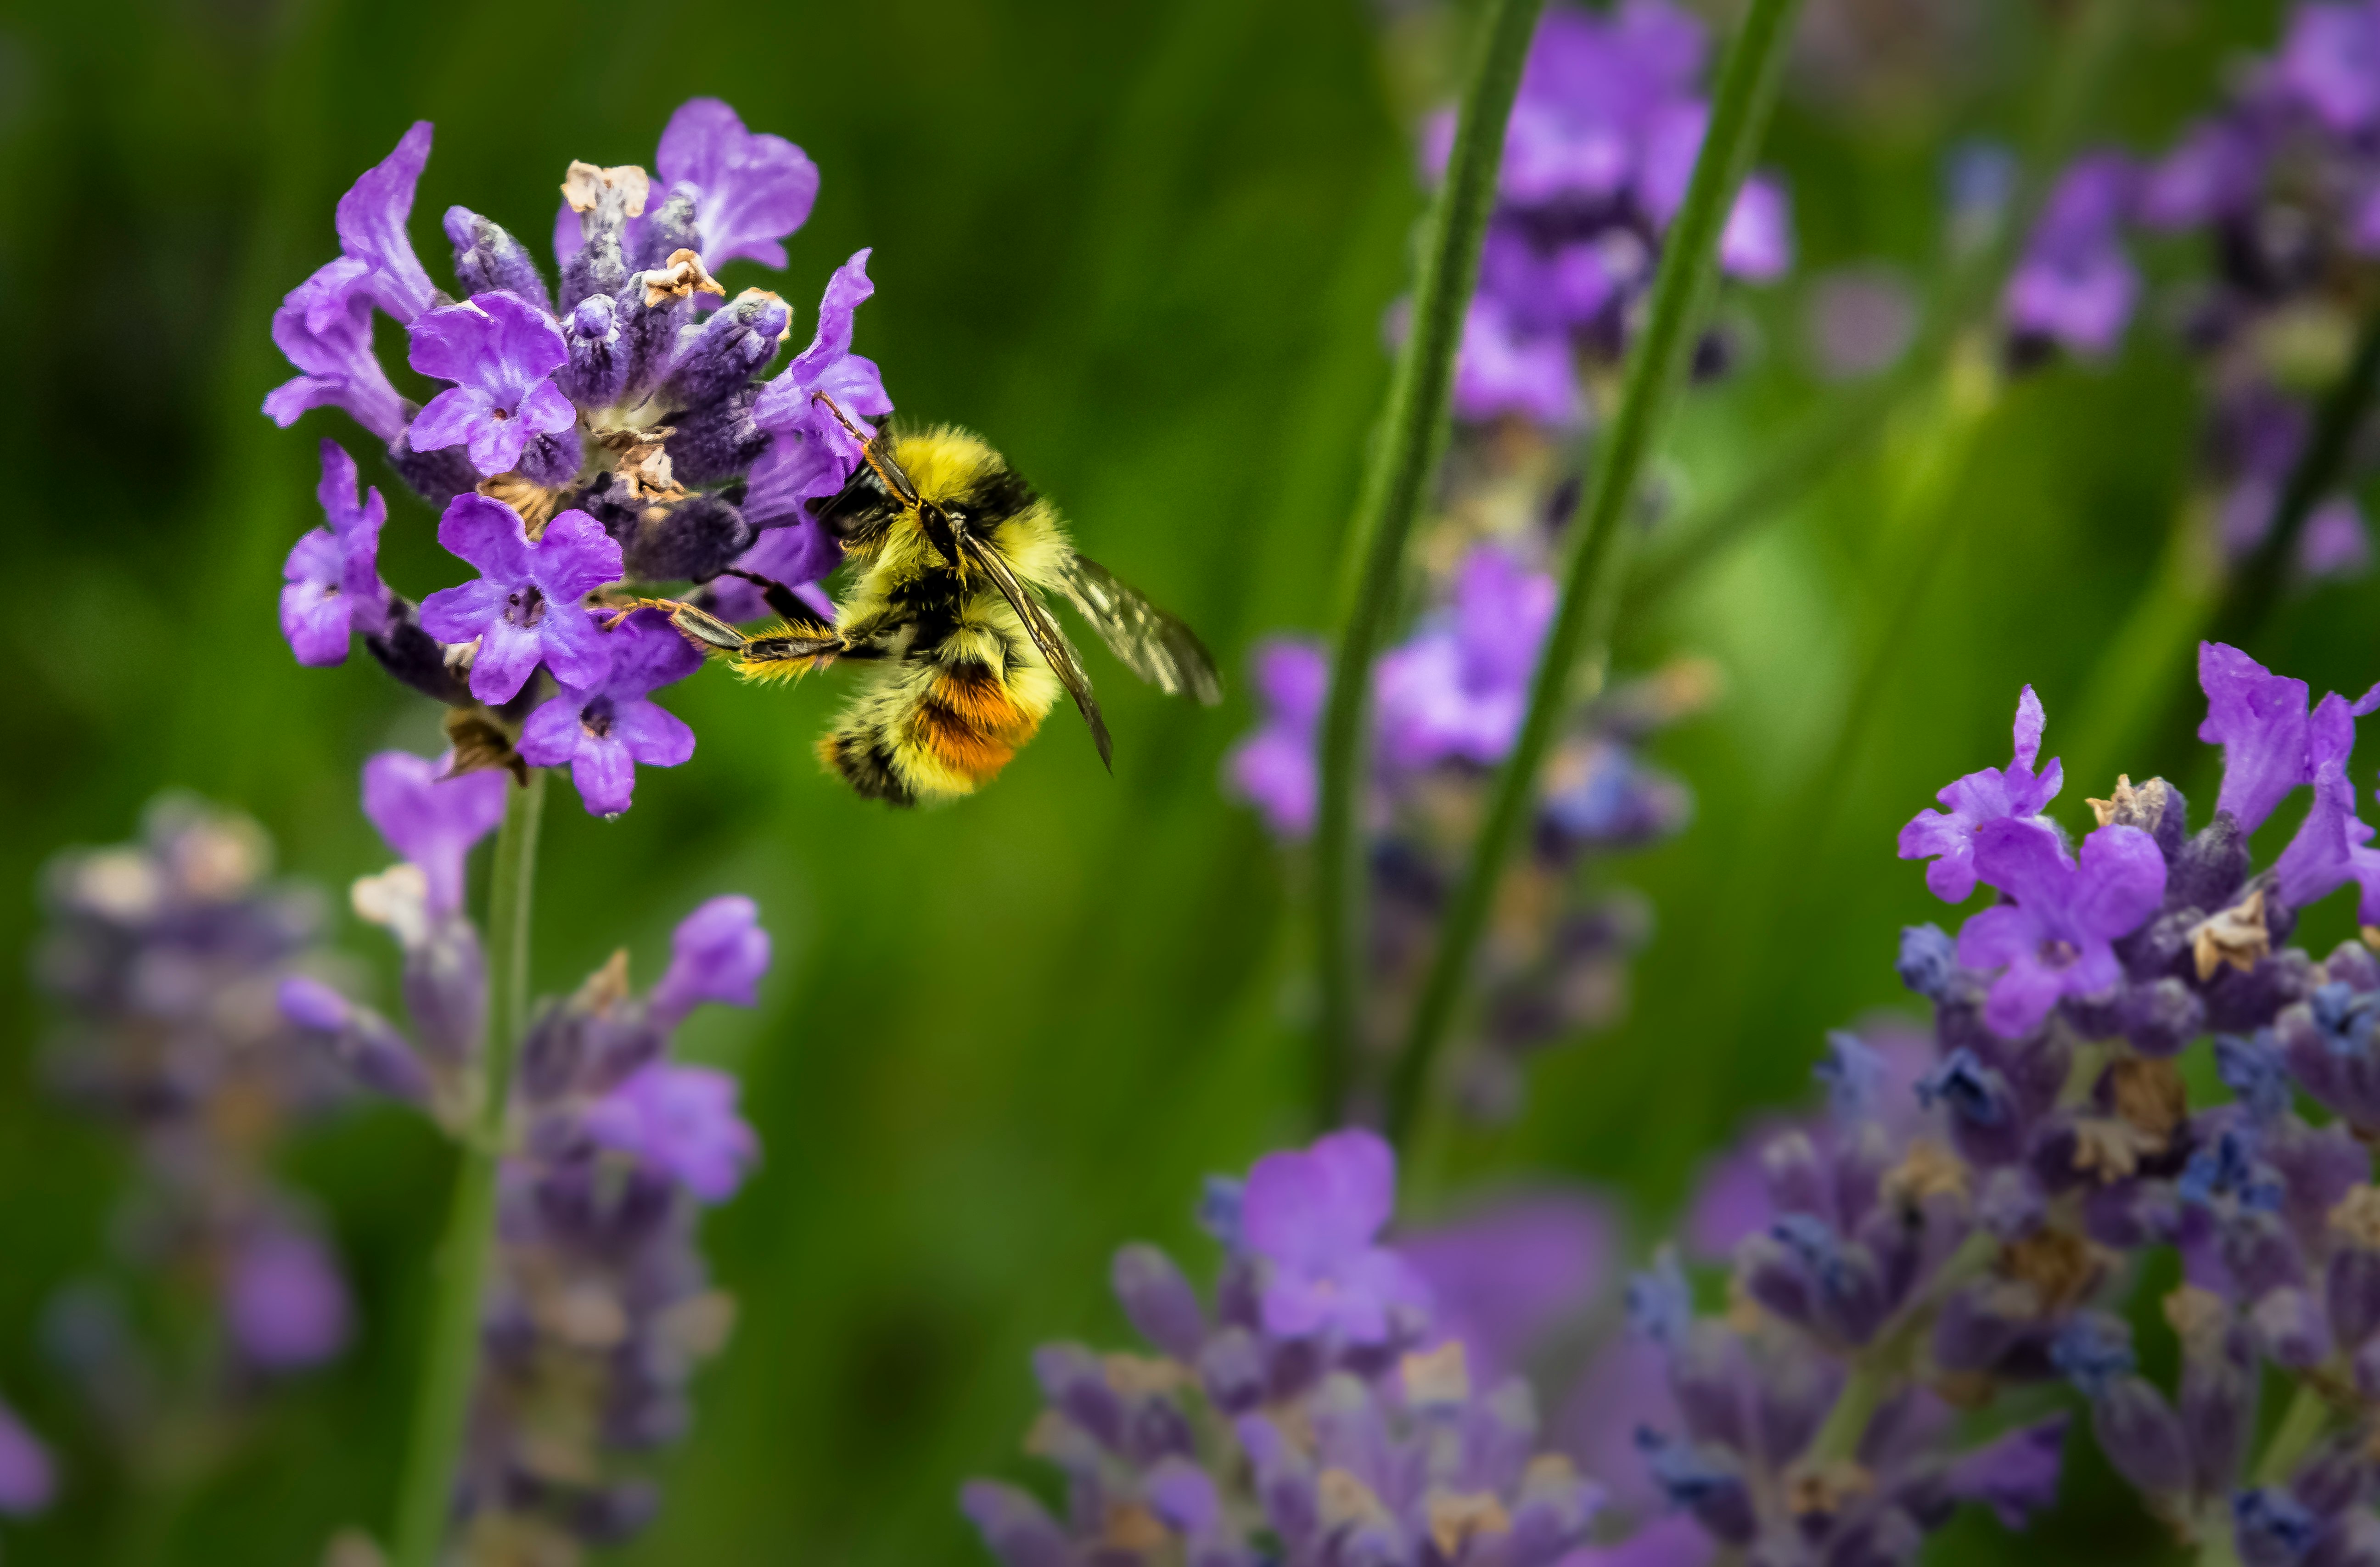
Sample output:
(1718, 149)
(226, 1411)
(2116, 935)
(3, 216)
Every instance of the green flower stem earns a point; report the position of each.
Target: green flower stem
(442, 1404)
(1411, 432)
(1689, 258)
(2303, 1422)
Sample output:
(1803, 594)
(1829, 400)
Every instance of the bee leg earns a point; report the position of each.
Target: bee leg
(697, 626)
(780, 598)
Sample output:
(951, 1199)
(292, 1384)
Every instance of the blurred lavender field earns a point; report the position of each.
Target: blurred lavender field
(1160, 258)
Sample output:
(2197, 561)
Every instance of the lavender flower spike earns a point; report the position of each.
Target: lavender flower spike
(1314, 1216)
(2055, 939)
(524, 608)
(1947, 837)
(2075, 285)
(332, 574)
(502, 353)
(683, 1121)
(604, 730)
(432, 819)
(751, 189)
(371, 221)
(718, 955)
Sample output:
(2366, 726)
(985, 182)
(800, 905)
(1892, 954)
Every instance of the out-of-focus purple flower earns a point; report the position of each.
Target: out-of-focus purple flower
(717, 954)
(1273, 769)
(370, 222)
(604, 729)
(2054, 939)
(1675, 1540)
(2212, 173)
(2335, 543)
(501, 351)
(2016, 1475)
(1314, 1218)
(1592, 82)
(2330, 62)
(524, 607)
(753, 189)
(1502, 367)
(1757, 243)
(285, 1301)
(28, 1478)
(683, 1121)
(324, 326)
(1948, 838)
(1860, 322)
(1978, 182)
(2074, 284)
(1459, 690)
(811, 455)
(1499, 1278)
(331, 578)
(2261, 721)
(432, 820)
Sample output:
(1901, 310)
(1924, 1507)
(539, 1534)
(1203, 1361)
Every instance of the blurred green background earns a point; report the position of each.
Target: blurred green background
(1146, 249)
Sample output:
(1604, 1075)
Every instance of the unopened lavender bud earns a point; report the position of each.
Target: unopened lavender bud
(1159, 1301)
(717, 953)
(597, 372)
(551, 461)
(2161, 1017)
(1795, 1177)
(2261, 1252)
(2272, 1528)
(1976, 1328)
(2016, 1475)
(1983, 1112)
(1015, 1526)
(2352, 964)
(693, 541)
(445, 988)
(649, 333)
(717, 441)
(365, 1042)
(2352, 1283)
(2291, 1330)
(1701, 1484)
(735, 344)
(2218, 1399)
(2142, 1436)
(669, 228)
(416, 658)
(1232, 1369)
(1929, 964)
(2207, 874)
(2010, 1203)
(438, 475)
(487, 258)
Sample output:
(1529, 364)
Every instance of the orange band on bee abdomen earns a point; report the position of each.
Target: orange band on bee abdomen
(975, 698)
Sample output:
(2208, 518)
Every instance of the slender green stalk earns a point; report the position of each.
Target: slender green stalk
(1689, 258)
(452, 1360)
(2303, 1422)
(1411, 434)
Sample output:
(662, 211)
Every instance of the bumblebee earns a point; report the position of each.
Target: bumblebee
(955, 551)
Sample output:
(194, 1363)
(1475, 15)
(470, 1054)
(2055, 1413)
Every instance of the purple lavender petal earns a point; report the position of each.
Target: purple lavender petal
(28, 1477)
(2330, 61)
(1758, 244)
(2212, 175)
(1502, 1276)
(371, 222)
(717, 953)
(2259, 719)
(431, 819)
(811, 455)
(2016, 1475)
(501, 351)
(754, 188)
(2075, 283)
(285, 1302)
(683, 1121)
(1991, 795)
(1501, 369)
(324, 327)
(1312, 1216)
(2336, 543)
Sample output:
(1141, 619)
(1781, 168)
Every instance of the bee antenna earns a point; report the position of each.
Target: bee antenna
(871, 450)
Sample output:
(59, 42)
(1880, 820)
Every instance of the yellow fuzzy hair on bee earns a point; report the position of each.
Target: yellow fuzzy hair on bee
(954, 552)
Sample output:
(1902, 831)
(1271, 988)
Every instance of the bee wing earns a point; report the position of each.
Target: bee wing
(1046, 637)
(1153, 645)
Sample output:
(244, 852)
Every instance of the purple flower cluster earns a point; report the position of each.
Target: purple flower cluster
(1311, 1415)
(162, 957)
(600, 1308)
(2281, 188)
(1448, 703)
(1598, 154)
(600, 436)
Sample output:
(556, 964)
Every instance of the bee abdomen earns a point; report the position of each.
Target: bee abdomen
(861, 756)
(965, 727)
